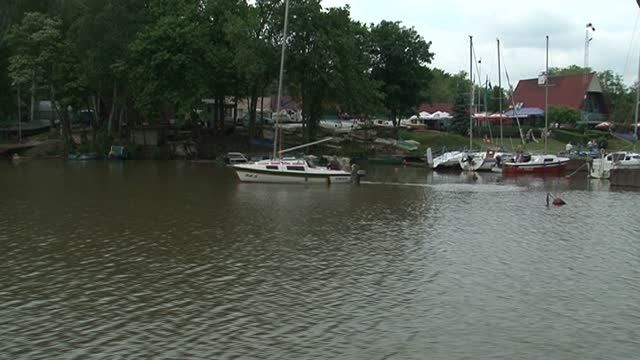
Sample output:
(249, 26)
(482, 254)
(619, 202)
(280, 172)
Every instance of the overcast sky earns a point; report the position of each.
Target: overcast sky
(521, 26)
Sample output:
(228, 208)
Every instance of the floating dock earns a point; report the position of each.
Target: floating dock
(625, 177)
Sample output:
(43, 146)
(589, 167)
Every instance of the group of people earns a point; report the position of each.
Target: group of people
(530, 137)
(594, 145)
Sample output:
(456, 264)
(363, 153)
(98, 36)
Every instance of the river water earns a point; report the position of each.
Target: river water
(177, 260)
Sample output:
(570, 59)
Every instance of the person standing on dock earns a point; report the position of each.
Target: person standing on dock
(568, 148)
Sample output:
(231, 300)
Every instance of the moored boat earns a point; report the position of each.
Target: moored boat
(290, 170)
(601, 168)
(449, 160)
(233, 158)
(483, 161)
(535, 165)
(280, 169)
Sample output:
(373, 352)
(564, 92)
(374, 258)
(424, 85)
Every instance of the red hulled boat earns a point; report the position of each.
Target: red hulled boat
(536, 165)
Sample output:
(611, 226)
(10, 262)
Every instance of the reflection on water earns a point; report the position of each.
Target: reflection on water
(179, 260)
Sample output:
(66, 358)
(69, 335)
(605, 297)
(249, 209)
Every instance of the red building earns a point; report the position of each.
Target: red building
(581, 92)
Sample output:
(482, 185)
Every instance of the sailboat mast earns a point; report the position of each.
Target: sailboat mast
(472, 95)
(500, 96)
(546, 98)
(284, 45)
(635, 130)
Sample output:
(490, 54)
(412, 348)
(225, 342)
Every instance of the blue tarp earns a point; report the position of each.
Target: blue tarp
(525, 112)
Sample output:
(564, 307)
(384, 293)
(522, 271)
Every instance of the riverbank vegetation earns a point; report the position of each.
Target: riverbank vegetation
(129, 63)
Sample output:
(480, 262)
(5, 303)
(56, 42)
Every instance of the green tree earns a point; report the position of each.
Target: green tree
(400, 57)
(257, 59)
(563, 115)
(42, 55)
(442, 87)
(35, 44)
(460, 121)
(494, 100)
(11, 14)
(569, 70)
(168, 60)
(327, 61)
(100, 31)
(620, 97)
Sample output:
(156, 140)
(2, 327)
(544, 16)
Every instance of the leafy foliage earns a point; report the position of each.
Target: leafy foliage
(569, 70)
(442, 87)
(327, 61)
(563, 115)
(399, 59)
(621, 98)
(460, 121)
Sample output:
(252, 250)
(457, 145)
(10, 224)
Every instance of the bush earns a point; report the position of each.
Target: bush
(563, 115)
(571, 136)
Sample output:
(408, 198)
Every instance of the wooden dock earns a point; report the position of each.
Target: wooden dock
(625, 177)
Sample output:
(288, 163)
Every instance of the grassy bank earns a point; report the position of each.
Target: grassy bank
(438, 140)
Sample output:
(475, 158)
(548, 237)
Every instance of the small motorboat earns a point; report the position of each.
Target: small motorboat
(602, 167)
(233, 158)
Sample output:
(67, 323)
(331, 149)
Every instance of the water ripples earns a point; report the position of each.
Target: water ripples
(223, 270)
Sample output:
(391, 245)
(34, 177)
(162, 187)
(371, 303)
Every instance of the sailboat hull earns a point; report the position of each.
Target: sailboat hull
(554, 168)
(507, 169)
(289, 172)
(285, 178)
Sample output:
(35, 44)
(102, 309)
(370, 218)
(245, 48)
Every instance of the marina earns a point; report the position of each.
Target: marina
(289, 179)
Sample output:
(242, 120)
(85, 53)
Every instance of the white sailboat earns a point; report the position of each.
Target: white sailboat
(474, 160)
(449, 160)
(288, 170)
(456, 160)
(546, 164)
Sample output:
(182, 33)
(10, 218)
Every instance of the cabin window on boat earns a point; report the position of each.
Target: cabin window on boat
(295, 168)
(272, 167)
(548, 160)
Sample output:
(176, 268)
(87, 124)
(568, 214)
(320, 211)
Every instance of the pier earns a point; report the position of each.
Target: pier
(625, 177)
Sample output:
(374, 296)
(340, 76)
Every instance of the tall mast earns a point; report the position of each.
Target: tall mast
(284, 45)
(500, 96)
(635, 130)
(546, 98)
(587, 42)
(479, 68)
(472, 95)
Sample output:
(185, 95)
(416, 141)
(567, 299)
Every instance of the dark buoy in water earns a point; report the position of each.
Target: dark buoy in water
(559, 202)
(556, 201)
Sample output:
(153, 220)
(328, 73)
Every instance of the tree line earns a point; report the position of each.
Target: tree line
(147, 61)
(135, 61)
